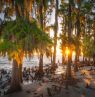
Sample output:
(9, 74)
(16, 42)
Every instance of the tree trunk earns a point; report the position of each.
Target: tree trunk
(55, 33)
(94, 59)
(62, 59)
(69, 41)
(68, 71)
(78, 38)
(69, 66)
(41, 65)
(15, 81)
(77, 57)
(17, 10)
(41, 26)
(51, 58)
(76, 64)
(20, 73)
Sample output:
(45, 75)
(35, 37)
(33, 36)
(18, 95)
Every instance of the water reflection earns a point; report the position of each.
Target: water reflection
(60, 70)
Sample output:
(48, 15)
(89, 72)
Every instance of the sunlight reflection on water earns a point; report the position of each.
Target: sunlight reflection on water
(33, 61)
(60, 70)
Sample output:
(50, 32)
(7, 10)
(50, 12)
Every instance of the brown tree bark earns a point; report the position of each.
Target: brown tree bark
(78, 38)
(20, 73)
(68, 71)
(15, 80)
(41, 65)
(94, 59)
(41, 21)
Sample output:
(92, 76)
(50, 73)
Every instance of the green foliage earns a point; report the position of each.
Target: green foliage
(81, 10)
(88, 46)
(25, 35)
(19, 2)
(7, 46)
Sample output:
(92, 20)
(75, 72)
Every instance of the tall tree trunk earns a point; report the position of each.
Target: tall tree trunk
(77, 27)
(15, 81)
(68, 71)
(55, 32)
(41, 25)
(69, 40)
(78, 38)
(65, 32)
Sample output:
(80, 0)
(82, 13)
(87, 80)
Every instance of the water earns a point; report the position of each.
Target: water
(33, 61)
